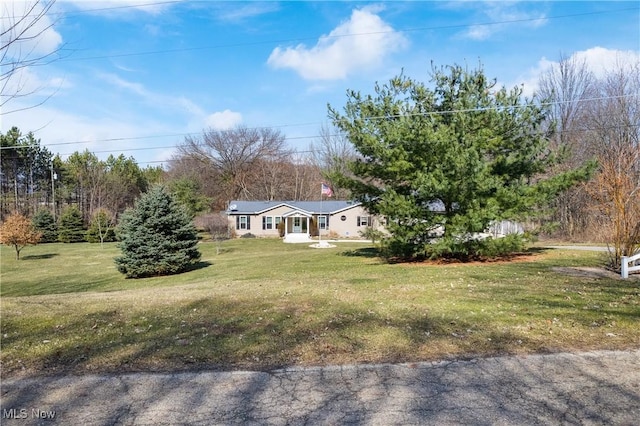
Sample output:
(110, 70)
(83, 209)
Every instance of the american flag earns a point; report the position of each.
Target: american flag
(326, 190)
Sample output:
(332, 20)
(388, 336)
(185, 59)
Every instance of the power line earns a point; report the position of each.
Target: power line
(300, 39)
(104, 9)
(425, 113)
(384, 117)
(584, 129)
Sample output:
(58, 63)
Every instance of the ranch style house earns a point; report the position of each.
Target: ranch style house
(298, 221)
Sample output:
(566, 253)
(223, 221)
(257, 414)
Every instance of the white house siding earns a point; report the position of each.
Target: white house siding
(349, 228)
(256, 222)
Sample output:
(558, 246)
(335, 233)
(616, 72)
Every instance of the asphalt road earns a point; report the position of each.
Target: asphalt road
(595, 388)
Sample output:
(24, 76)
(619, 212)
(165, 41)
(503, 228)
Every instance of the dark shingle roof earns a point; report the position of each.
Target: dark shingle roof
(256, 207)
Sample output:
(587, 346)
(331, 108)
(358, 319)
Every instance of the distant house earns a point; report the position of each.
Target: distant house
(300, 219)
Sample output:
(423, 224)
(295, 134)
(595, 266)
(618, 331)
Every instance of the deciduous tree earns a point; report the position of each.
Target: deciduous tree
(614, 138)
(332, 154)
(569, 87)
(18, 231)
(102, 227)
(27, 40)
(231, 158)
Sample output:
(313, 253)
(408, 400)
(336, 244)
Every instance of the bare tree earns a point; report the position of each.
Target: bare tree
(25, 25)
(614, 139)
(304, 178)
(234, 157)
(332, 154)
(567, 86)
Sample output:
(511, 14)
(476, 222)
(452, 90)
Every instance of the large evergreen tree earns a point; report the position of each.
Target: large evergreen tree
(71, 227)
(45, 223)
(441, 164)
(157, 237)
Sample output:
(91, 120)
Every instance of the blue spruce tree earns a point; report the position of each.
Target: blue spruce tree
(157, 237)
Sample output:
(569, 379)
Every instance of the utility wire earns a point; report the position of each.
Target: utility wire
(309, 38)
(383, 117)
(104, 9)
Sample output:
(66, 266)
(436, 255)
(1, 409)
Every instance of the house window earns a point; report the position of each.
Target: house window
(322, 222)
(364, 220)
(243, 222)
(278, 219)
(267, 222)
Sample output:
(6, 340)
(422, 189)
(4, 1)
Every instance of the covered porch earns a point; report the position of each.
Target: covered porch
(297, 225)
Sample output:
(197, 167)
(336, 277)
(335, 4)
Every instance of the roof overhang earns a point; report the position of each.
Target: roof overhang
(297, 213)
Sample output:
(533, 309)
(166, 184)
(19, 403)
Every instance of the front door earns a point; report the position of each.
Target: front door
(297, 225)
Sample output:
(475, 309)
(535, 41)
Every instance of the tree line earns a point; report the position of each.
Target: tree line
(32, 178)
(597, 117)
(566, 160)
(204, 175)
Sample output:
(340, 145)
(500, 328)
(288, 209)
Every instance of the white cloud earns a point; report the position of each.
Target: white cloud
(223, 120)
(152, 98)
(601, 61)
(29, 30)
(30, 39)
(501, 16)
(360, 43)
(240, 11)
(598, 60)
(26, 89)
(54, 126)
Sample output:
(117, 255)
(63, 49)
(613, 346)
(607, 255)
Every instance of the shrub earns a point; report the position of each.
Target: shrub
(215, 224)
(247, 235)
(472, 248)
(157, 237)
(371, 233)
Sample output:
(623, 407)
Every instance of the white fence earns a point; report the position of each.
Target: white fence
(505, 227)
(629, 264)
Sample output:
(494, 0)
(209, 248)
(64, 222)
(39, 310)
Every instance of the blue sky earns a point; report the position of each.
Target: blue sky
(135, 77)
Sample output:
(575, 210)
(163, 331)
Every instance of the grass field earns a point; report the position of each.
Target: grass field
(260, 304)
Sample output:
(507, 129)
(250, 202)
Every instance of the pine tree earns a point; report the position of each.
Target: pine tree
(71, 227)
(157, 237)
(442, 164)
(45, 223)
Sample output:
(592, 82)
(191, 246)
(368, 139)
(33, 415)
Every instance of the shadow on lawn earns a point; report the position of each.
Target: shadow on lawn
(362, 252)
(197, 266)
(39, 256)
(215, 334)
(372, 252)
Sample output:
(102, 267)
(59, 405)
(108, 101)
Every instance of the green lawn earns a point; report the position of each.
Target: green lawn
(261, 304)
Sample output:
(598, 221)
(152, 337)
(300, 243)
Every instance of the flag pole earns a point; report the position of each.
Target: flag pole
(319, 230)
